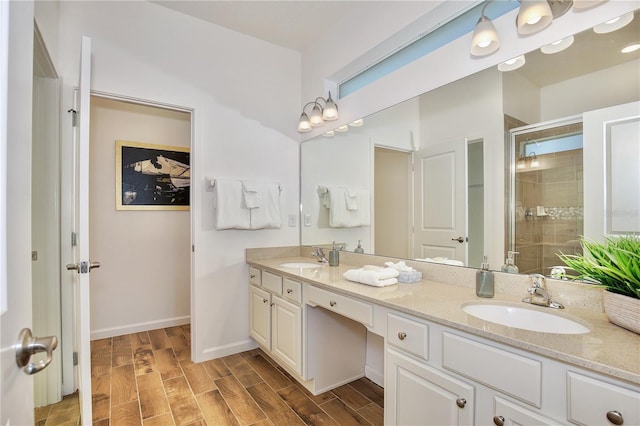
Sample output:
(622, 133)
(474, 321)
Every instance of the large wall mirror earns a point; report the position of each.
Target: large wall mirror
(434, 177)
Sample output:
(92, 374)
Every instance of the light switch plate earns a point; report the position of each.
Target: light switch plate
(292, 220)
(307, 219)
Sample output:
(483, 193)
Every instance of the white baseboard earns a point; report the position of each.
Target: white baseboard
(135, 328)
(375, 376)
(224, 350)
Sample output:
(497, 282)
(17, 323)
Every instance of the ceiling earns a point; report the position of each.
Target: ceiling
(293, 24)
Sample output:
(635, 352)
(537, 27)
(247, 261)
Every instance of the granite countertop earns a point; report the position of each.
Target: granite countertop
(606, 349)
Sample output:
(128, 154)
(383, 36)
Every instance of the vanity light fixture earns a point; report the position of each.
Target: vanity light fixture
(357, 123)
(534, 15)
(342, 129)
(614, 24)
(632, 47)
(557, 46)
(329, 134)
(534, 160)
(485, 37)
(319, 114)
(586, 4)
(512, 64)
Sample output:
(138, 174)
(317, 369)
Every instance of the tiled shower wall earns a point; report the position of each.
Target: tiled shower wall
(549, 207)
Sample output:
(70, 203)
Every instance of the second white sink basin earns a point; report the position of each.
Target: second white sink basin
(302, 265)
(523, 318)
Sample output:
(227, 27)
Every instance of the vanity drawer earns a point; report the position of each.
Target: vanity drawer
(292, 290)
(408, 335)
(255, 276)
(499, 369)
(272, 282)
(343, 305)
(590, 401)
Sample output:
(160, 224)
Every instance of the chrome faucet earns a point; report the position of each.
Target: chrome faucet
(317, 252)
(539, 293)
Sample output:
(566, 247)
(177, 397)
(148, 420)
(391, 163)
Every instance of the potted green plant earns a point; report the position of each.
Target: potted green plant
(614, 265)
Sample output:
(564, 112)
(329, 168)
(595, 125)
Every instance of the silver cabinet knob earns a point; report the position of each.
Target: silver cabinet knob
(289, 291)
(498, 420)
(265, 300)
(461, 402)
(402, 335)
(615, 417)
(333, 303)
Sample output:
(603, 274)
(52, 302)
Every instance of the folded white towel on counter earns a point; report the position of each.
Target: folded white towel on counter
(373, 275)
(267, 215)
(251, 194)
(443, 260)
(229, 205)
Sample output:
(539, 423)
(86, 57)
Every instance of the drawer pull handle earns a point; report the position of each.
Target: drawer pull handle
(333, 303)
(498, 420)
(252, 276)
(402, 335)
(265, 300)
(289, 291)
(615, 417)
(461, 402)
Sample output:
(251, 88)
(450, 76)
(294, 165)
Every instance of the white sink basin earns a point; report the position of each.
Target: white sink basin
(523, 318)
(301, 265)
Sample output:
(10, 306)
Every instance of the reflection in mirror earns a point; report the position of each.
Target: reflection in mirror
(415, 210)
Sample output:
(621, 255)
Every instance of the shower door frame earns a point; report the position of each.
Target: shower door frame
(511, 153)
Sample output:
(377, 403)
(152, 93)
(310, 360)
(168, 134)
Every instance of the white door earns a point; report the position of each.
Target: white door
(611, 153)
(82, 265)
(16, 79)
(441, 198)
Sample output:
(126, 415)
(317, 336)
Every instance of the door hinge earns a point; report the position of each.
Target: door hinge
(74, 239)
(34, 255)
(75, 358)
(74, 117)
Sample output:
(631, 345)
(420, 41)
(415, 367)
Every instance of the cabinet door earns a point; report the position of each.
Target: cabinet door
(416, 394)
(286, 329)
(260, 316)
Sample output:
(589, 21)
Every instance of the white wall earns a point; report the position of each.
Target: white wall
(245, 95)
(613, 86)
(521, 97)
(144, 279)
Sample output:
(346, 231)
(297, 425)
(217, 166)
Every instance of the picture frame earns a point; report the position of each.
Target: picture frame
(152, 177)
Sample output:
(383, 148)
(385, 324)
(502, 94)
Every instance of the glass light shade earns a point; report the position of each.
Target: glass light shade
(329, 134)
(534, 161)
(330, 111)
(512, 64)
(614, 24)
(557, 46)
(520, 164)
(534, 15)
(316, 116)
(485, 38)
(357, 123)
(342, 129)
(304, 125)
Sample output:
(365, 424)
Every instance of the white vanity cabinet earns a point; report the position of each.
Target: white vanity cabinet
(275, 318)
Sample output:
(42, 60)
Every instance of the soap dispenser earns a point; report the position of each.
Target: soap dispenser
(509, 265)
(359, 249)
(334, 256)
(484, 280)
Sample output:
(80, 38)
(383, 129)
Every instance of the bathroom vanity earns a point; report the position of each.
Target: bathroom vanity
(442, 365)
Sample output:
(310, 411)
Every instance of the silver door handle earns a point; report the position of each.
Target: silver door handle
(459, 239)
(28, 345)
(82, 267)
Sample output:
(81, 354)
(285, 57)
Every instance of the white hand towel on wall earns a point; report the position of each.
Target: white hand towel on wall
(268, 214)
(229, 205)
(340, 216)
(351, 200)
(251, 194)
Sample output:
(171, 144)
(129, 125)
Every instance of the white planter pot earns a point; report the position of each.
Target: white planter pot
(622, 310)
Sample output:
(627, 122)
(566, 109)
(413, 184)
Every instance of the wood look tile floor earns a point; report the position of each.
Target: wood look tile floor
(147, 378)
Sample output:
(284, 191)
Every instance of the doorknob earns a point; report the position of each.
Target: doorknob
(460, 239)
(28, 345)
(82, 267)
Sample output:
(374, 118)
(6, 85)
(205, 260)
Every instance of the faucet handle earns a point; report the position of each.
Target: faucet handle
(538, 280)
